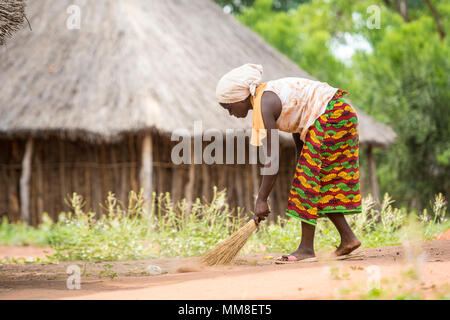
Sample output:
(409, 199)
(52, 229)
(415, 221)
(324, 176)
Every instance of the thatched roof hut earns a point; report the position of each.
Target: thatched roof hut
(132, 68)
(12, 15)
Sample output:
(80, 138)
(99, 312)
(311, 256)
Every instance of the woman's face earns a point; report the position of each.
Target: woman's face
(238, 109)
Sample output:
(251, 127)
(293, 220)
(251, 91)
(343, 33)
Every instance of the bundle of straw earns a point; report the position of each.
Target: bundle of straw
(12, 15)
(227, 250)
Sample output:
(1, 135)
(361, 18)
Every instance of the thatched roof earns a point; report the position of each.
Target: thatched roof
(133, 65)
(12, 14)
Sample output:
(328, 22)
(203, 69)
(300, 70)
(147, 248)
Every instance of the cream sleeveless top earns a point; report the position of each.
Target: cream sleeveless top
(302, 102)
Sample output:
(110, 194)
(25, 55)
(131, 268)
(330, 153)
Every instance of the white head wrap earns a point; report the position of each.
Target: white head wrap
(239, 83)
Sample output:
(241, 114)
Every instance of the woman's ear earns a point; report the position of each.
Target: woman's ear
(249, 101)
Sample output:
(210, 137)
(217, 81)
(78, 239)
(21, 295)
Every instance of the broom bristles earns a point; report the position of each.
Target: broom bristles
(228, 249)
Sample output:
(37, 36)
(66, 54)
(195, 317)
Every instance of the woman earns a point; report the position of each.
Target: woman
(325, 130)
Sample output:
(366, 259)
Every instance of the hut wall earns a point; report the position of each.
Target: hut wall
(62, 167)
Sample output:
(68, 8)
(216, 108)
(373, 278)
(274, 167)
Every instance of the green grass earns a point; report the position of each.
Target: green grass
(407, 286)
(127, 232)
(21, 234)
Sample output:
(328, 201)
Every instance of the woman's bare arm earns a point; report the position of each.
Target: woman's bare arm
(271, 109)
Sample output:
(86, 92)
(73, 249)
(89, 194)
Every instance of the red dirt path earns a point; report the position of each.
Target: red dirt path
(250, 277)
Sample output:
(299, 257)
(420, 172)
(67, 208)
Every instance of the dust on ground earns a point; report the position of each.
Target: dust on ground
(253, 276)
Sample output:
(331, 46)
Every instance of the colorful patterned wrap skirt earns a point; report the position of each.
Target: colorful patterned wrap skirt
(327, 173)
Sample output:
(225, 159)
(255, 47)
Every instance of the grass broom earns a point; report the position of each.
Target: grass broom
(228, 249)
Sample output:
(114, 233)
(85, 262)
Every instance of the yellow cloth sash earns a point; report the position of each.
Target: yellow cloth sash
(258, 129)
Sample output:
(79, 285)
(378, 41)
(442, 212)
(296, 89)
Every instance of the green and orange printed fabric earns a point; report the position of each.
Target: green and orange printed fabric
(326, 179)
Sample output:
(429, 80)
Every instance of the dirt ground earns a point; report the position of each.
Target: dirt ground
(424, 269)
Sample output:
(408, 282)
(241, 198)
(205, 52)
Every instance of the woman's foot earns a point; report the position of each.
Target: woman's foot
(303, 254)
(349, 242)
(305, 249)
(346, 247)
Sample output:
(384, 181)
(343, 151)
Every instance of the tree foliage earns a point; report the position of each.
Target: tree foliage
(237, 6)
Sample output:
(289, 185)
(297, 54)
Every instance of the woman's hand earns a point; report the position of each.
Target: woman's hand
(262, 209)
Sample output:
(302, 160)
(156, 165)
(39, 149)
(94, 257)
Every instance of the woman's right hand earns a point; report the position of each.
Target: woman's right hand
(262, 209)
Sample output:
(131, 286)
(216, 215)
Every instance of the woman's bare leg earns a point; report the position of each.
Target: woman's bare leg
(306, 248)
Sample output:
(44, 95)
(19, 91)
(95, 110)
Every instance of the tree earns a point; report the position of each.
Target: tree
(407, 75)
